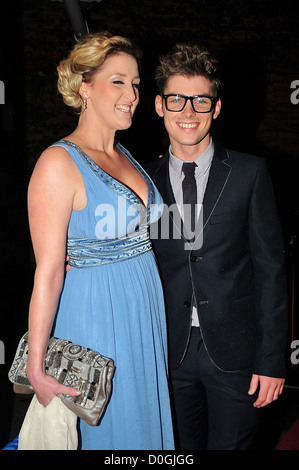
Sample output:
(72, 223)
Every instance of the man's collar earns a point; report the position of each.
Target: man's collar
(203, 160)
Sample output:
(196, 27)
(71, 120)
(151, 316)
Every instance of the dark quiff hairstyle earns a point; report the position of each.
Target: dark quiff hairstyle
(188, 60)
(86, 59)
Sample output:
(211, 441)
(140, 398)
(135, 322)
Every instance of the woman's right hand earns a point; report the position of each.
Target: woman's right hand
(47, 387)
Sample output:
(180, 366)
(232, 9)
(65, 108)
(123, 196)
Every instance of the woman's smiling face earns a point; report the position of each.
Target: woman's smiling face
(113, 94)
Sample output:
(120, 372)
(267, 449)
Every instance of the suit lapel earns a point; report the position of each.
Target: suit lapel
(218, 177)
(162, 180)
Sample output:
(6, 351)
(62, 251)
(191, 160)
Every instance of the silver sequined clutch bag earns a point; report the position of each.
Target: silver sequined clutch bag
(72, 365)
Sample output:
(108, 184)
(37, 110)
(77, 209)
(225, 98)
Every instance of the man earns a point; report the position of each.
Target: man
(225, 290)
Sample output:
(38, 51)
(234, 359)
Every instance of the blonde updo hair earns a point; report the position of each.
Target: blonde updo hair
(85, 60)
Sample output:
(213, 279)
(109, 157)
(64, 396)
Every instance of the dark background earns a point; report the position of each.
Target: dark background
(257, 44)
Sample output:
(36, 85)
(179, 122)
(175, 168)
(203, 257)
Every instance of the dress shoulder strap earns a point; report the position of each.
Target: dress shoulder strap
(73, 151)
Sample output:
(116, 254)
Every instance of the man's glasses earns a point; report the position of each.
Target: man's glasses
(200, 103)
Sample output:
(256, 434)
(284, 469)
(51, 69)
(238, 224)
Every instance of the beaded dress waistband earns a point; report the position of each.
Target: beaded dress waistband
(87, 252)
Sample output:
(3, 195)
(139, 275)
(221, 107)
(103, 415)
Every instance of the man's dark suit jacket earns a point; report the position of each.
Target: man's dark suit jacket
(238, 274)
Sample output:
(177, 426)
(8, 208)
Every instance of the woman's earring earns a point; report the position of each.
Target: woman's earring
(84, 102)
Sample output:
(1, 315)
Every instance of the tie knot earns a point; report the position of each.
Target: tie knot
(188, 168)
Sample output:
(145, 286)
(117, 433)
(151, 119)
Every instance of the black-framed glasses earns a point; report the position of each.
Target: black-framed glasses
(200, 103)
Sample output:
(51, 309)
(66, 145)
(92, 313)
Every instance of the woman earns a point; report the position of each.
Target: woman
(88, 193)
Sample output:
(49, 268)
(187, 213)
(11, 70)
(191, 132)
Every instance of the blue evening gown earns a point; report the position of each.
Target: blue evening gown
(112, 301)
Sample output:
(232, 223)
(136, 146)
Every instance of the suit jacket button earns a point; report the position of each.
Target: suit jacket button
(187, 304)
(193, 258)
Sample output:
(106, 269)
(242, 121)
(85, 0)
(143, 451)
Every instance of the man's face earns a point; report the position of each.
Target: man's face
(189, 132)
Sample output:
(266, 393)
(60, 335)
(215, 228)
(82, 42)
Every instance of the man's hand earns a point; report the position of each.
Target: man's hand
(67, 266)
(270, 389)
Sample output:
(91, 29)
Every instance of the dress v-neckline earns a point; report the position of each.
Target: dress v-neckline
(112, 178)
